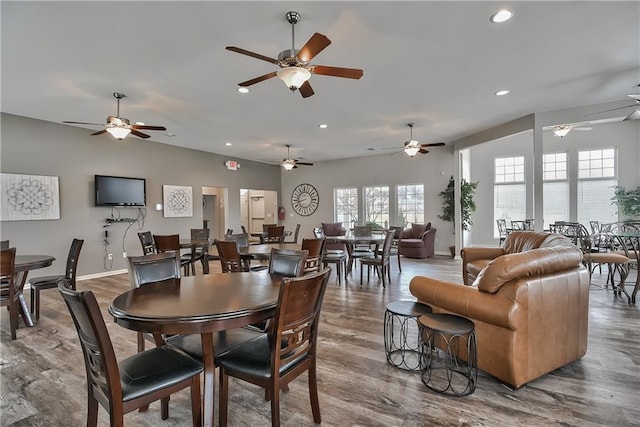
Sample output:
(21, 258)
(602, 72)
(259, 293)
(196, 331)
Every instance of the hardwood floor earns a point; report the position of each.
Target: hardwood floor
(43, 374)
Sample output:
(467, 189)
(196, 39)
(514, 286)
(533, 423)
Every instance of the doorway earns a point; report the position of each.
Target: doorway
(214, 211)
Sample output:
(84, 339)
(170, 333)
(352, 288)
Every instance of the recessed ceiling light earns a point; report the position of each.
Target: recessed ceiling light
(228, 144)
(322, 126)
(501, 16)
(502, 92)
(242, 89)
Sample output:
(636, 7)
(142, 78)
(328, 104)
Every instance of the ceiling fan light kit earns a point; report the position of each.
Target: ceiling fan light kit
(561, 131)
(293, 77)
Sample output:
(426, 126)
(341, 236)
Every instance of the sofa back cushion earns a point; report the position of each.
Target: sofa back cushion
(535, 262)
(520, 241)
(418, 229)
(333, 229)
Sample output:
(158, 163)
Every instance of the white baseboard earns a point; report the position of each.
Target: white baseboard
(101, 274)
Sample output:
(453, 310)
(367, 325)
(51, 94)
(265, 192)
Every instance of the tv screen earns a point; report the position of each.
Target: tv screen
(120, 191)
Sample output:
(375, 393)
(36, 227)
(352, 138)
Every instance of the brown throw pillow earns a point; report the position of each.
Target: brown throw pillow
(417, 230)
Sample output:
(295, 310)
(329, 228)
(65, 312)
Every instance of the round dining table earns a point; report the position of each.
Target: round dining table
(201, 304)
(24, 264)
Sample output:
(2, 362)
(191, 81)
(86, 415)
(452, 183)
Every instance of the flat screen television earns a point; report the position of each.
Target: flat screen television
(120, 191)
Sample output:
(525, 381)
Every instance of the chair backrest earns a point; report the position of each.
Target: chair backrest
(275, 234)
(295, 324)
(8, 273)
(362, 231)
(529, 224)
(318, 232)
(265, 227)
(147, 243)
(153, 268)
(502, 227)
(4, 244)
(99, 359)
(287, 262)
(200, 233)
(241, 239)
(230, 260)
(386, 246)
(72, 262)
(517, 225)
(168, 243)
(315, 249)
(295, 234)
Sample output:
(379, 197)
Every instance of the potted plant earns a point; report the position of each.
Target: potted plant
(628, 201)
(467, 204)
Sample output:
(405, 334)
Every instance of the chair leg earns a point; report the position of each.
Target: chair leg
(37, 301)
(224, 398)
(360, 275)
(140, 338)
(275, 405)
(13, 318)
(313, 395)
(399, 266)
(164, 408)
(92, 410)
(196, 406)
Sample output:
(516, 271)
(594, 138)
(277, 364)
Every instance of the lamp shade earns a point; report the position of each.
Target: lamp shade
(288, 164)
(561, 131)
(293, 77)
(119, 132)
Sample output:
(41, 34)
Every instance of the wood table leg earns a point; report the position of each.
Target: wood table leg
(24, 309)
(208, 394)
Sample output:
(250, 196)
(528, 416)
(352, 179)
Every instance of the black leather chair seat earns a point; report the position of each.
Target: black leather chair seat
(155, 369)
(222, 341)
(50, 281)
(254, 358)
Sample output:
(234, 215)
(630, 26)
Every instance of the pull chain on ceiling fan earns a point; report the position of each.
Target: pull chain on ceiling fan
(295, 70)
(118, 126)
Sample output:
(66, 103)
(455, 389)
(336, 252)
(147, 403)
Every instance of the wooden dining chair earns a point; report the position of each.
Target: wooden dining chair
(9, 291)
(294, 240)
(381, 263)
(275, 234)
(315, 247)
(148, 269)
(287, 262)
(287, 350)
(230, 259)
(339, 257)
(47, 282)
(171, 242)
(147, 243)
(200, 253)
(132, 383)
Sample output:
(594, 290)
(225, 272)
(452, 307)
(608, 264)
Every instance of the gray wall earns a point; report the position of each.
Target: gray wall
(37, 147)
(625, 136)
(433, 170)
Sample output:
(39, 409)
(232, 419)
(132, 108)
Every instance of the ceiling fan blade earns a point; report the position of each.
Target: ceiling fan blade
(613, 109)
(252, 54)
(139, 134)
(314, 46)
(100, 132)
(633, 116)
(423, 151)
(83, 123)
(434, 144)
(306, 90)
(148, 127)
(304, 163)
(258, 79)
(349, 73)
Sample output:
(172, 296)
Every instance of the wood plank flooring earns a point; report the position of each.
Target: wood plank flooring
(43, 374)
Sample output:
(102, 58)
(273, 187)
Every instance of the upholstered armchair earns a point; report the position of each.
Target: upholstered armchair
(418, 241)
(334, 229)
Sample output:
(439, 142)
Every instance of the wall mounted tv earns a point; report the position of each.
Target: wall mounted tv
(120, 191)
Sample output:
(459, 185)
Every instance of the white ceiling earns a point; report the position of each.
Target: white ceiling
(437, 64)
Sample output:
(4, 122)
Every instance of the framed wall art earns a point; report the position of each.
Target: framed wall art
(29, 197)
(178, 201)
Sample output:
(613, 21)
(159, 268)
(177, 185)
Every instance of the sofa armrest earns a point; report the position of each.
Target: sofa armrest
(471, 254)
(466, 301)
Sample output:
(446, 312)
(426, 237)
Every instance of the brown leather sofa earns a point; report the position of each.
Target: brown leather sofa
(530, 308)
(418, 241)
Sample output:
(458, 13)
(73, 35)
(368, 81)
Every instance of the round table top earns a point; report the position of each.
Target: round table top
(32, 262)
(408, 308)
(446, 323)
(198, 299)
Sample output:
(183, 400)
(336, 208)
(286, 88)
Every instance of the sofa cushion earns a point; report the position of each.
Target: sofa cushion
(412, 243)
(521, 241)
(418, 229)
(333, 229)
(536, 262)
(475, 267)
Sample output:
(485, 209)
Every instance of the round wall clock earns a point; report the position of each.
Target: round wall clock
(305, 199)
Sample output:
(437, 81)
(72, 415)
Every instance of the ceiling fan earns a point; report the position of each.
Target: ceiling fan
(295, 69)
(118, 126)
(413, 147)
(290, 163)
(634, 115)
(562, 130)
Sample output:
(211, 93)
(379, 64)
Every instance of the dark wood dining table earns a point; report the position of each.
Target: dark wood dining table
(201, 304)
(24, 264)
(350, 241)
(262, 251)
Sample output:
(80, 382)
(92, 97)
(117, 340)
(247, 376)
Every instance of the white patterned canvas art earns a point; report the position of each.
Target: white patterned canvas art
(29, 197)
(178, 201)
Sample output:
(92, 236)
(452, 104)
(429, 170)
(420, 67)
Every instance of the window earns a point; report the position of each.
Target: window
(346, 206)
(376, 206)
(555, 187)
(509, 190)
(597, 177)
(410, 204)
